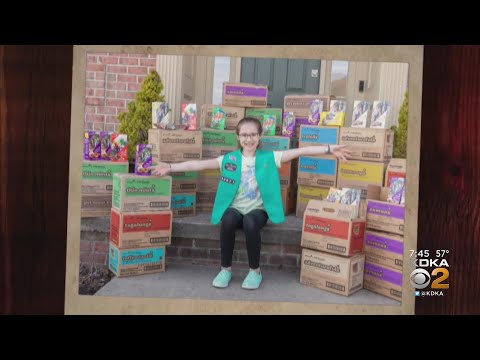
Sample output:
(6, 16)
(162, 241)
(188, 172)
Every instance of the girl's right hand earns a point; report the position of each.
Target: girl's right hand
(161, 169)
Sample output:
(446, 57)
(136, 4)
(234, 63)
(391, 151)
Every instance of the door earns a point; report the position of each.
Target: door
(283, 77)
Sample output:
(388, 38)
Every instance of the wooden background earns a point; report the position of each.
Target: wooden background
(35, 100)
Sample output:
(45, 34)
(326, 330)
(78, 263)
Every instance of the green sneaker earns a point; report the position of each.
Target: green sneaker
(252, 281)
(222, 279)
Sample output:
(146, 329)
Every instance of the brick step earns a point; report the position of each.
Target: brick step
(196, 240)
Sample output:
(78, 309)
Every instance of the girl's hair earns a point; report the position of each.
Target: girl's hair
(249, 120)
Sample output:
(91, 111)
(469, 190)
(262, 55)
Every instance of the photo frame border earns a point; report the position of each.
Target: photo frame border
(88, 304)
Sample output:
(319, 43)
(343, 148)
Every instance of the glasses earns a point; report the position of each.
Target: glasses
(245, 136)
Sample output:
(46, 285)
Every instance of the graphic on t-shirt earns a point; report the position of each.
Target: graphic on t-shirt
(248, 185)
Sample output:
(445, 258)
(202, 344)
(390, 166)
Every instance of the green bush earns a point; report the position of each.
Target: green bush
(400, 137)
(136, 121)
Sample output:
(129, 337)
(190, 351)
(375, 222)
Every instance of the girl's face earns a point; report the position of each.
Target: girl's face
(249, 137)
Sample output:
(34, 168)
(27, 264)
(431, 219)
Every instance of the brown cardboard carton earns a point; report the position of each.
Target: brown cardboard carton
(288, 173)
(130, 230)
(97, 176)
(320, 171)
(183, 204)
(218, 142)
(175, 145)
(307, 193)
(205, 201)
(300, 104)
(234, 115)
(330, 227)
(333, 273)
(382, 215)
(208, 180)
(288, 200)
(383, 281)
(138, 193)
(95, 205)
(396, 168)
(368, 144)
(129, 262)
(384, 249)
(360, 174)
(244, 95)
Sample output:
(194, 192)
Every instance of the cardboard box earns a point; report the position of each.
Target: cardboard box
(233, 114)
(130, 262)
(288, 173)
(97, 176)
(368, 144)
(318, 171)
(385, 216)
(130, 230)
(396, 168)
(277, 143)
(175, 145)
(288, 200)
(360, 174)
(244, 95)
(260, 113)
(330, 227)
(208, 180)
(218, 142)
(383, 281)
(307, 193)
(300, 104)
(141, 193)
(384, 249)
(333, 273)
(317, 135)
(95, 205)
(205, 201)
(183, 204)
(184, 181)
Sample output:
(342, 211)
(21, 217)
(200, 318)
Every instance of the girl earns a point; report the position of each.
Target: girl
(248, 193)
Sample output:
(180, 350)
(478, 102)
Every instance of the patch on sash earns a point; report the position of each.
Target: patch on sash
(227, 180)
(230, 167)
(232, 157)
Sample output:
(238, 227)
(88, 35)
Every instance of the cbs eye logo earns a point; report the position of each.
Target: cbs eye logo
(420, 278)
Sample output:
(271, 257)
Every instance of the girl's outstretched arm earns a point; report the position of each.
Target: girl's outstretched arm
(340, 151)
(163, 168)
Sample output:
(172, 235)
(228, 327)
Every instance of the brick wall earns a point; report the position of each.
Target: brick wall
(201, 251)
(94, 249)
(112, 81)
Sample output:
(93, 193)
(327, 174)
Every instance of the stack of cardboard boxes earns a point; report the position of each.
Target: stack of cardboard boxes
(316, 174)
(141, 224)
(174, 146)
(332, 241)
(105, 154)
(384, 237)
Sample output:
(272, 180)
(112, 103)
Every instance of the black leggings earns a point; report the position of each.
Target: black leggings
(252, 224)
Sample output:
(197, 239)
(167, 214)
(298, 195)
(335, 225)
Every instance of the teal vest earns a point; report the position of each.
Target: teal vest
(268, 179)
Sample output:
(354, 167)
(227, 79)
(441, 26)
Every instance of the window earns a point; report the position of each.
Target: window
(221, 73)
(339, 78)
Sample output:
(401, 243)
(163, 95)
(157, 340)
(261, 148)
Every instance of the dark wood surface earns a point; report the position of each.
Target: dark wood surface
(35, 103)
(35, 100)
(449, 195)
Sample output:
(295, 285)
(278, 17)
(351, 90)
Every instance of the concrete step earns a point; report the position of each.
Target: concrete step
(194, 282)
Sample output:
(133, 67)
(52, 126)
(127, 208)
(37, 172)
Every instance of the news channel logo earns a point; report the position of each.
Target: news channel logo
(432, 282)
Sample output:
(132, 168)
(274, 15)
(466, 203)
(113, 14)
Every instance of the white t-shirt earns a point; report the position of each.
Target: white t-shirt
(248, 195)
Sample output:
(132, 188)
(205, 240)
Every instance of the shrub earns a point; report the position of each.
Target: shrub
(400, 137)
(136, 121)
